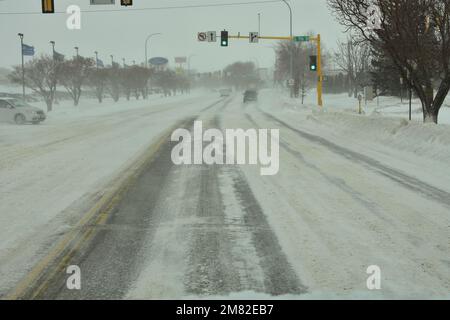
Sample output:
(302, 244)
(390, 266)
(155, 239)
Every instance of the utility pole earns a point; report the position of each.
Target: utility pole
(23, 65)
(123, 60)
(112, 61)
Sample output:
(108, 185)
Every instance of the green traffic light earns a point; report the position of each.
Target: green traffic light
(224, 38)
(313, 63)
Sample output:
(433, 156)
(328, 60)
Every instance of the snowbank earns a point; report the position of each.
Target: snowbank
(426, 140)
(384, 123)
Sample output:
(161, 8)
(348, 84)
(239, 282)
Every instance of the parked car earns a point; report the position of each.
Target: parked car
(19, 112)
(250, 95)
(225, 92)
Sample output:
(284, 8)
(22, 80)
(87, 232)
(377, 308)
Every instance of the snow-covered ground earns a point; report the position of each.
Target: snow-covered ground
(49, 172)
(353, 191)
(386, 106)
(423, 149)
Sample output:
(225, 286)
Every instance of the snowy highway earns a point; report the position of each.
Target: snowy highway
(140, 227)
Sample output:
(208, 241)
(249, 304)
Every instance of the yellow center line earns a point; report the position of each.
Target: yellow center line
(102, 210)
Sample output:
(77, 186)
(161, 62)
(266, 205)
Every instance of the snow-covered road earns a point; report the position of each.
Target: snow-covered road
(50, 174)
(342, 201)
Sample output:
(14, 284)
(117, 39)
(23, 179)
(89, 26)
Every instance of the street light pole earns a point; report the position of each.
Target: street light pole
(53, 48)
(54, 70)
(112, 61)
(146, 58)
(292, 39)
(259, 24)
(96, 59)
(76, 50)
(146, 47)
(23, 65)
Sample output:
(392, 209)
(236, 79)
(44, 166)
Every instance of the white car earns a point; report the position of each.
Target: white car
(19, 112)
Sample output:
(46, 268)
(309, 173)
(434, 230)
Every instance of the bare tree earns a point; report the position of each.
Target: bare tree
(134, 80)
(73, 75)
(353, 58)
(113, 81)
(39, 77)
(97, 79)
(416, 37)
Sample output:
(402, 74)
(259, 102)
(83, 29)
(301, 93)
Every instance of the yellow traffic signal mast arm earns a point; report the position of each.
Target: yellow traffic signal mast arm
(260, 37)
(319, 71)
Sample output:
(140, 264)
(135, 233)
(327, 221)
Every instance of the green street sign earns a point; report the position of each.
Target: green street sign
(301, 38)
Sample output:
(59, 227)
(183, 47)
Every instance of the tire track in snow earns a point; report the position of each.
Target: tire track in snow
(338, 182)
(279, 276)
(210, 256)
(110, 262)
(405, 180)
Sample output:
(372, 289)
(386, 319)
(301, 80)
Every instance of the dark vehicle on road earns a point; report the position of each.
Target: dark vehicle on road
(250, 95)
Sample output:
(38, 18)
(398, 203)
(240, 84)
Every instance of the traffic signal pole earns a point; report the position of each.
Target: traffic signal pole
(317, 39)
(319, 71)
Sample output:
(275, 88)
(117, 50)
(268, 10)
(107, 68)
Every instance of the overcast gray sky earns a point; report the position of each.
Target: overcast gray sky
(123, 33)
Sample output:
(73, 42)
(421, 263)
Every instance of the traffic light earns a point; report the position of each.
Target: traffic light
(48, 6)
(126, 3)
(224, 39)
(313, 63)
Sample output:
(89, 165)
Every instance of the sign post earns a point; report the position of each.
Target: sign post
(360, 102)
